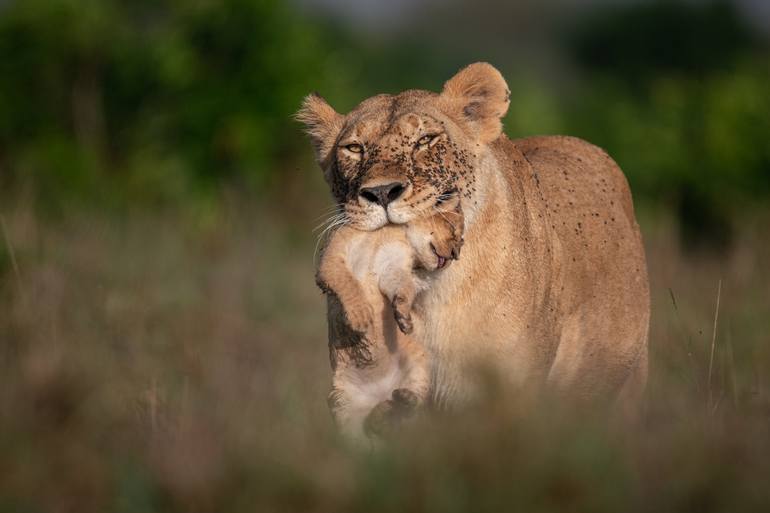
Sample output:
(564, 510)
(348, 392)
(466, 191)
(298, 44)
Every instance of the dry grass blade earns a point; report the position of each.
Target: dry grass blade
(713, 344)
(688, 340)
(12, 254)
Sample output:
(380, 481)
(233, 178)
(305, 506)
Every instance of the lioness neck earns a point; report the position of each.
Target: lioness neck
(499, 273)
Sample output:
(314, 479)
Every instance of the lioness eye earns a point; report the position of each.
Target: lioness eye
(445, 196)
(354, 148)
(425, 139)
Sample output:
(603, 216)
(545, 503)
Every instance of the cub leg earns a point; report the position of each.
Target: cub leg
(411, 394)
(343, 413)
(415, 384)
(397, 284)
(334, 276)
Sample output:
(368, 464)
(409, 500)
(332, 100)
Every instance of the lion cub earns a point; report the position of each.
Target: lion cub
(380, 372)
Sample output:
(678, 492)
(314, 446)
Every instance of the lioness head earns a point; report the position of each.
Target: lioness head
(396, 158)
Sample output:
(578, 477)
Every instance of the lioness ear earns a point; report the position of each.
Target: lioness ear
(322, 124)
(478, 95)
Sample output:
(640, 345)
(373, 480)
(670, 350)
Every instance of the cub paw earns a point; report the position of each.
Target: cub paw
(406, 400)
(360, 317)
(381, 420)
(448, 248)
(456, 246)
(388, 415)
(402, 311)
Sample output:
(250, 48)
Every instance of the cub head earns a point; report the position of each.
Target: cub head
(399, 158)
(438, 239)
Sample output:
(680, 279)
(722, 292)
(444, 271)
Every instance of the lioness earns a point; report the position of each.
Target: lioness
(552, 287)
(381, 374)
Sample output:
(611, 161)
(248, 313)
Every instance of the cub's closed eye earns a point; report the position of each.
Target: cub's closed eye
(426, 139)
(354, 148)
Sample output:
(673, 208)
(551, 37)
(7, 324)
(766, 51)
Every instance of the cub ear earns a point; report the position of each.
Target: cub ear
(322, 123)
(478, 95)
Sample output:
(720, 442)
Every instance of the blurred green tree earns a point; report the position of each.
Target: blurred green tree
(675, 91)
(162, 100)
(151, 96)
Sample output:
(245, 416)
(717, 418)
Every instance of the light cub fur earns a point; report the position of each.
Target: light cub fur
(381, 372)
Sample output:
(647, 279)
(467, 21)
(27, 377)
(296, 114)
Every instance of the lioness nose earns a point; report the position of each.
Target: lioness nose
(383, 194)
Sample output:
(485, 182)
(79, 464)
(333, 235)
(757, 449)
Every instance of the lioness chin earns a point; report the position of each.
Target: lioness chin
(552, 287)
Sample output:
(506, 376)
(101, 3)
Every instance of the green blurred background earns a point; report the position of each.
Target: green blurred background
(109, 102)
(162, 342)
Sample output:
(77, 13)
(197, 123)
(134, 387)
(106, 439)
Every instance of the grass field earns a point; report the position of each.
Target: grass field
(176, 361)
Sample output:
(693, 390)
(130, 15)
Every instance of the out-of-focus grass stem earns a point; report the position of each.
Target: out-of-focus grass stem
(713, 345)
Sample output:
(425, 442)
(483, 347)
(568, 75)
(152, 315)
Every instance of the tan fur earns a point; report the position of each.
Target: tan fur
(372, 281)
(552, 287)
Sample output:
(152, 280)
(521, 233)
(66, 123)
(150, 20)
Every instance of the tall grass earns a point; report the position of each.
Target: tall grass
(176, 361)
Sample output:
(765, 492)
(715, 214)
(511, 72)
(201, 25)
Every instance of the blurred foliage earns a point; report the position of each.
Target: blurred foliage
(647, 39)
(677, 94)
(157, 97)
(159, 101)
(695, 144)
